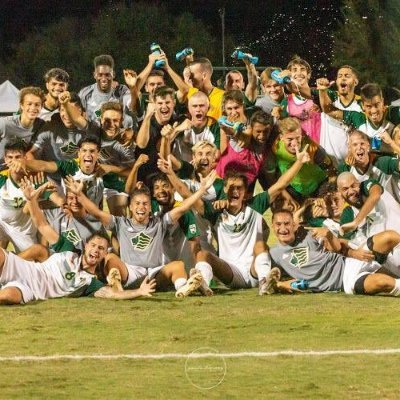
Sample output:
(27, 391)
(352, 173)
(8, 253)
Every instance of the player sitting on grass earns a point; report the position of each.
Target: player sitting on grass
(243, 260)
(302, 256)
(141, 239)
(65, 274)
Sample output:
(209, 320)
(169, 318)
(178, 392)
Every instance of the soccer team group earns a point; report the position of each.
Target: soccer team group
(122, 190)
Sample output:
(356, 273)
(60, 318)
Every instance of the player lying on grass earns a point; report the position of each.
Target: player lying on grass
(243, 260)
(141, 239)
(65, 274)
(302, 256)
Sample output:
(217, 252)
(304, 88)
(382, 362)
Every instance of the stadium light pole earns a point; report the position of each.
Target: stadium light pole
(222, 15)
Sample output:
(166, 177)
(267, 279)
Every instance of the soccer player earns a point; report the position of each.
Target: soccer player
(201, 71)
(24, 126)
(375, 118)
(103, 91)
(274, 92)
(302, 256)
(56, 82)
(333, 132)
(141, 239)
(243, 260)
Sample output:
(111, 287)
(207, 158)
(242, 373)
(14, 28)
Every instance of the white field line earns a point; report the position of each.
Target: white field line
(290, 353)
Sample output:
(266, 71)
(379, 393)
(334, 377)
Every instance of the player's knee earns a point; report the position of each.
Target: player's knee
(10, 296)
(203, 255)
(377, 283)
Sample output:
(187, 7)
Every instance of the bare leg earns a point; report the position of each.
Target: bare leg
(10, 296)
(379, 283)
(385, 242)
(113, 261)
(169, 274)
(36, 252)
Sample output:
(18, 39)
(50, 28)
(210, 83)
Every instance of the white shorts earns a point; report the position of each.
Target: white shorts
(18, 274)
(108, 193)
(392, 263)
(242, 278)
(136, 274)
(354, 270)
(20, 239)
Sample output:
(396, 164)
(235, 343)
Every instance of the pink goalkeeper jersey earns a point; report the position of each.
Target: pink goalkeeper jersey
(310, 120)
(247, 161)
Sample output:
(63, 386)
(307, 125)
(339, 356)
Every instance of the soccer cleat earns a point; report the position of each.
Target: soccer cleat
(192, 284)
(114, 280)
(268, 285)
(204, 289)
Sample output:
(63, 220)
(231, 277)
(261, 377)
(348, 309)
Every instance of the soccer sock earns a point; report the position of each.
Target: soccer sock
(179, 283)
(206, 271)
(396, 290)
(262, 265)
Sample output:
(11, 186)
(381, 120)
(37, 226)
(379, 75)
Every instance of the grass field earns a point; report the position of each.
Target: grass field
(229, 322)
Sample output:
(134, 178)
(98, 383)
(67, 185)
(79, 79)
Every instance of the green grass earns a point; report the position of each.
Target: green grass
(231, 321)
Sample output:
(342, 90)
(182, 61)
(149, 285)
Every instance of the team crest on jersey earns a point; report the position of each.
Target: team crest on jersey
(72, 236)
(192, 229)
(69, 149)
(141, 241)
(299, 257)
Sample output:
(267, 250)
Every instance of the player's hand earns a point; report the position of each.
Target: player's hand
(127, 137)
(220, 204)
(319, 233)
(303, 156)
(206, 182)
(151, 109)
(64, 97)
(142, 159)
(168, 130)
(361, 254)
(185, 125)
(75, 186)
(323, 84)
(276, 112)
(147, 287)
(349, 227)
(18, 166)
(130, 77)
(386, 138)
(165, 165)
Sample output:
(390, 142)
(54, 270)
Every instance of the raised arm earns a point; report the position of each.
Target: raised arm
(73, 113)
(205, 183)
(183, 87)
(143, 136)
(251, 88)
(131, 80)
(374, 195)
(327, 106)
(34, 165)
(76, 187)
(132, 177)
(302, 158)
(37, 215)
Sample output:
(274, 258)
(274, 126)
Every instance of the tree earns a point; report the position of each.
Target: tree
(368, 39)
(124, 32)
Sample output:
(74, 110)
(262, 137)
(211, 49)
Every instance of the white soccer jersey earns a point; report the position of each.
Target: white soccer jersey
(59, 276)
(334, 133)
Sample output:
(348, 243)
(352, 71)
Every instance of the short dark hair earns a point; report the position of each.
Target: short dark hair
(352, 69)
(36, 91)
(205, 64)
(99, 234)
(262, 118)
(16, 145)
(104, 59)
(90, 139)
(139, 191)
(112, 105)
(159, 176)
(58, 74)
(156, 72)
(234, 174)
(300, 61)
(370, 90)
(75, 99)
(164, 91)
(233, 95)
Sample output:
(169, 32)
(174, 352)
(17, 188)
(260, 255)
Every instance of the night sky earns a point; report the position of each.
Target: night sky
(273, 30)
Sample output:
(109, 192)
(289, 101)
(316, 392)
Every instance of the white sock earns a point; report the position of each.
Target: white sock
(262, 265)
(179, 283)
(206, 271)
(396, 290)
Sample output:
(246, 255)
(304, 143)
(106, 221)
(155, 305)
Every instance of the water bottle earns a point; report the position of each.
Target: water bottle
(180, 56)
(237, 127)
(281, 80)
(156, 49)
(239, 55)
(300, 284)
(376, 142)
